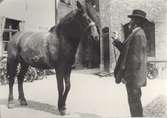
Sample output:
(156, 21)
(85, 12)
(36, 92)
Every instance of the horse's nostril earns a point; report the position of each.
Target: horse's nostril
(96, 38)
(91, 37)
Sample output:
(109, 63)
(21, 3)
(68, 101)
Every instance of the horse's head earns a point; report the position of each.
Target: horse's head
(86, 22)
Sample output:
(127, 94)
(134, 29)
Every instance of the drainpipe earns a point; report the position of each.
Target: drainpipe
(56, 11)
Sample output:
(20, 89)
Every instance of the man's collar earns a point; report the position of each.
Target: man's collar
(135, 29)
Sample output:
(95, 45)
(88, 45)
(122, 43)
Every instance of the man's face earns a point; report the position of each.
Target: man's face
(132, 23)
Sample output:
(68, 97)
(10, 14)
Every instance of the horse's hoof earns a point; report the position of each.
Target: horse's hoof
(10, 104)
(23, 102)
(62, 112)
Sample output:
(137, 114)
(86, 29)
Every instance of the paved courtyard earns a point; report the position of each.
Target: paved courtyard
(91, 96)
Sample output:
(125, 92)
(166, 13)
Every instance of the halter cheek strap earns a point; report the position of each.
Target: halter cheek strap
(90, 25)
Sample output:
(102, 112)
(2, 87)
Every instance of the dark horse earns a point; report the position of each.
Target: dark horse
(55, 49)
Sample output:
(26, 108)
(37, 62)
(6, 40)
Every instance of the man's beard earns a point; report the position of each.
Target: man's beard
(132, 26)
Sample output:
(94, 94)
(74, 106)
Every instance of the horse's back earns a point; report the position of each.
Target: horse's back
(33, 47)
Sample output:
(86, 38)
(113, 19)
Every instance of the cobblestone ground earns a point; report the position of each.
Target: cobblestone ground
(157, 108)
(99, 98)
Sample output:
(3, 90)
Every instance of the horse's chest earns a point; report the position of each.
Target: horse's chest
(67, 54)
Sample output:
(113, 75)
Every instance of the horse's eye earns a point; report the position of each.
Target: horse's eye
(89, 20)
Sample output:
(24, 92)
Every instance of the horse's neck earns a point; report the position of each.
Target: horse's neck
(69, 32)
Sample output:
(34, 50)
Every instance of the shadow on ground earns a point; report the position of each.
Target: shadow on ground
(48, 108)
(33, 105)
(156, 108)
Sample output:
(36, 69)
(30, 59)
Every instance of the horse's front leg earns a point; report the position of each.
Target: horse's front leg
(67, 85)
(20, 78)
(60, 87)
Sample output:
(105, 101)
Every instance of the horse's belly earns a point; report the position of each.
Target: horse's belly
(36, 59)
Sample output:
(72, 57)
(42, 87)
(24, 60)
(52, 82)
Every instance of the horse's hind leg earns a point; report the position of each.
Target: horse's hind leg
(60, 87)
(11, 73)
(23, 70)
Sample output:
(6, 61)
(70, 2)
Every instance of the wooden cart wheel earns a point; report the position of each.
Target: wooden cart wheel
(31, 75)
(40, 74)
(152, 73)
(3, 78)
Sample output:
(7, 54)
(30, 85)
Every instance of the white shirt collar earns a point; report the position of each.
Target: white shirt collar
(135, 29)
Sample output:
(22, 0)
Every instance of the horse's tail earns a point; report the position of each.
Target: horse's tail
(14, 47)
(13, 54)
(13, 44)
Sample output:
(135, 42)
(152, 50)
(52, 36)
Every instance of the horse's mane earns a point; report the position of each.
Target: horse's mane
(66, 19)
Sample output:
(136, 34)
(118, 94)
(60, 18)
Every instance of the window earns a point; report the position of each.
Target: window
(67, 2)
(11, 27)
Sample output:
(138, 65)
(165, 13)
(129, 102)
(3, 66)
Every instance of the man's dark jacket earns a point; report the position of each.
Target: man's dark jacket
(131, 65)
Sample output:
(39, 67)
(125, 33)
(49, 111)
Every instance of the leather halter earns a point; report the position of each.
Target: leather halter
(89, 25)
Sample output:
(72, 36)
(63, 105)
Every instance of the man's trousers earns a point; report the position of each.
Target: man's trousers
(134, 100)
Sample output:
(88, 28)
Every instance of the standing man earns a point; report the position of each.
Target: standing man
(131, 65)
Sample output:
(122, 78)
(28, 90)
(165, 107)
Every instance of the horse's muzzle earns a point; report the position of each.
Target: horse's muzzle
(96, 38)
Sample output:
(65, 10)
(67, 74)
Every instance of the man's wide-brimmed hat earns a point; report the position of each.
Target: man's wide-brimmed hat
(138, 14)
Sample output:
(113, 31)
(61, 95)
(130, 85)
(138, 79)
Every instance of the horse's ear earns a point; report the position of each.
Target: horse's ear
(79, 6)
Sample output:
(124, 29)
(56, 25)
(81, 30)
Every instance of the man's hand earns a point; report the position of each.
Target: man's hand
(115, 35)
(116, 42)
(124, 81)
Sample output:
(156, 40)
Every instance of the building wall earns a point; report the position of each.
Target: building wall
(37, 14)
(64, 9)
(114, 13)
